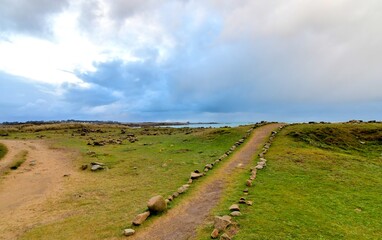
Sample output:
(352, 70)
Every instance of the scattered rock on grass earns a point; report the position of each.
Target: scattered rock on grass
(249, 203)
(195, 175)
(128, 232)
(97, 167)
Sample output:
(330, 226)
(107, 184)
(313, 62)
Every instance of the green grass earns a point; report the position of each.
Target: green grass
(3, 150)
(321, 182)
(99, 205)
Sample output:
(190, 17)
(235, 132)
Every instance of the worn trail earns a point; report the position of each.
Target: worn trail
(181, 222)
(24, 191)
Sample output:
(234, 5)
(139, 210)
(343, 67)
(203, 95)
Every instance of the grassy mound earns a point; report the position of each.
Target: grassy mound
(321, 182)
(3, 150)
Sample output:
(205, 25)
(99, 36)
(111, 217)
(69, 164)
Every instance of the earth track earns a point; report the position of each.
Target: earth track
(181, 222)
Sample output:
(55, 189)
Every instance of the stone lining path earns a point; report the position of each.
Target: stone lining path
(182, 221)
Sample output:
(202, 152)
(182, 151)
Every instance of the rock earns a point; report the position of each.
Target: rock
(249, 203)
(183, 189)
(97, 167)
(189, 181)
(209, 166)
(206, 170)
(175, 195)
(157, 204)
(196, 171)
(234, 207)
(167, 201)
(242, 200)
(97, 163)
(235, 213)
(245, 190)
(215, 234)
(84, 167)
(170, 198)
(225, 237)
(248, 183)
(195, 175)
(140, 218)
(128, 232)
(259, 167)
(221, 223)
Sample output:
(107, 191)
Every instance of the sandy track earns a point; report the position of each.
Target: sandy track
(24, 192)
(181, 222)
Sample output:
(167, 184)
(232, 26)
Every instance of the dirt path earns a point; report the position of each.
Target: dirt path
(181, 222)
(24, 191)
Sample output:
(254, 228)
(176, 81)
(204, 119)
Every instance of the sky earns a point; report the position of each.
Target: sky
(188, 60)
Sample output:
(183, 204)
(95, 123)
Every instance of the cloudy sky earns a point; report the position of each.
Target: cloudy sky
(186, 60)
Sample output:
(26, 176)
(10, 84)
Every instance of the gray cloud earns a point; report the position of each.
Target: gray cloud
(281, 59)
(29, 16)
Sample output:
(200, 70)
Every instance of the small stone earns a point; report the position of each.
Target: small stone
(245, 190)
(96, 167)
(215, 234)
(235, 213)
(206, 170)
(225, 237)
(209, 166)
(170, 198)
(249, 203)
(175, 195)
(248, 183)
(140, 218)
(195, 175)
(259, 167)
(221, 223)
(128, 232)
(242, 200)
(84, 167)
(234, 207)
(189, 181)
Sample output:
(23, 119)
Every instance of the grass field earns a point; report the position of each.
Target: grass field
(321, 182)
(99, 205)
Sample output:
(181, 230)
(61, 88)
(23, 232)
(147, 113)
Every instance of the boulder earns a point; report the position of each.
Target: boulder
(221, 223)
(157, 204)
(234, 207)
(140, 218)
(128, 232)
(215, 234)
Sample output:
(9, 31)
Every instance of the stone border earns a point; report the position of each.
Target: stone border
(235, 208)
(140, 218)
